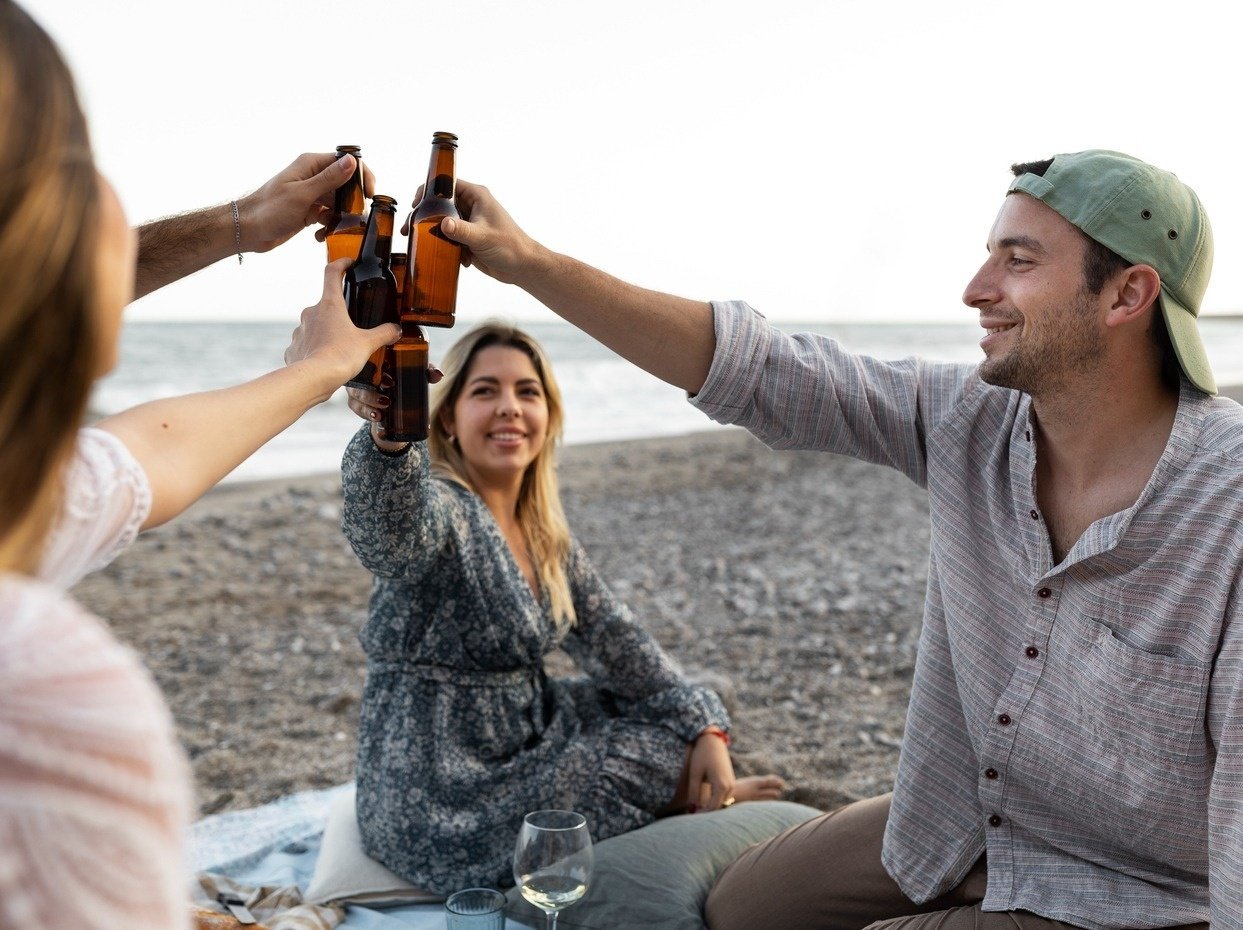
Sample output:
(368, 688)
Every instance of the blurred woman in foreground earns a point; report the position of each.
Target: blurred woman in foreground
(94, 790)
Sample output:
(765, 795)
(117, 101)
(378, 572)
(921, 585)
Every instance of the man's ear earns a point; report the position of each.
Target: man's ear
(1134, 291)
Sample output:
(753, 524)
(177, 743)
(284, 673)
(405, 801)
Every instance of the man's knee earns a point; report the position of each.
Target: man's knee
(822, 873)
(955, 918)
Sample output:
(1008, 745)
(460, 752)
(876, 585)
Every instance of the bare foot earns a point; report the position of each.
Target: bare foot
(758, 788)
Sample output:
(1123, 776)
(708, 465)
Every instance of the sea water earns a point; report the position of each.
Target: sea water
(606, 398)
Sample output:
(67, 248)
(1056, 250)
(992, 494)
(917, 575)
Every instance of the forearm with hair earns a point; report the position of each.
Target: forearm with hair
(176, 246)
(671, 337)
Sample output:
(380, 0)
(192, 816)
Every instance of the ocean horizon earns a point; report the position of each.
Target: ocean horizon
(606, 398)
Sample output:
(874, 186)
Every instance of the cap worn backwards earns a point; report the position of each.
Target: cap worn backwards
(1149, 217)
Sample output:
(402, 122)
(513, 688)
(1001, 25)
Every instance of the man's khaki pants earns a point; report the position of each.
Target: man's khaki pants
(783, 883)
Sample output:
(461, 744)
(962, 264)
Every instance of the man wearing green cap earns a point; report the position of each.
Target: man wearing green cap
(1074, 744)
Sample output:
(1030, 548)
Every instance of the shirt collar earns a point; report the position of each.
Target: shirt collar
(1107, 532)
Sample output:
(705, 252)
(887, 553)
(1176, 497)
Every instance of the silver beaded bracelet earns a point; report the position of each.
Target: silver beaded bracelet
(237, 229)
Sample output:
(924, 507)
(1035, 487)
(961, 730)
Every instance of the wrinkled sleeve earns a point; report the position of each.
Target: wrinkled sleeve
(106, 499)
(1225, 805)
(94, 790)
(626, 662)
(396, 516)
(804, 391)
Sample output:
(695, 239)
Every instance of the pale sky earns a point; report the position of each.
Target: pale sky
(821, 160)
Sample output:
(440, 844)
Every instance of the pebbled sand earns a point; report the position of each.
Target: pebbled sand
(799, 577)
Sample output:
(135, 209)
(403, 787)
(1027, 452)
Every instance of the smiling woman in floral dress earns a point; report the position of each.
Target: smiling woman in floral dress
(477, 579)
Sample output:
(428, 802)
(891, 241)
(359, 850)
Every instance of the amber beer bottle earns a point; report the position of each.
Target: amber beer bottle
(346, 224)
(430, 295)
(383, 358)
(370, 289)
(397, 264)
(405, 418)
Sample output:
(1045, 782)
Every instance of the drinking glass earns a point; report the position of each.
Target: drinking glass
(475, 909)
(553, 860)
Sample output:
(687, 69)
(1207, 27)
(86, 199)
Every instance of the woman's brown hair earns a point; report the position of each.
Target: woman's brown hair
(539, 500)
(49, 218)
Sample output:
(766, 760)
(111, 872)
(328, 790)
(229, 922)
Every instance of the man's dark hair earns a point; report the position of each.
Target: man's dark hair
(1101, 263)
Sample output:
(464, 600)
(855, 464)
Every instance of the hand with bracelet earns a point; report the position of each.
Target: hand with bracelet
(711, 784)
(297, 196)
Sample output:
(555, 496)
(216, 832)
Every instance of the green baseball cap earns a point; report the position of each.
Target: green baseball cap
(1148, 217)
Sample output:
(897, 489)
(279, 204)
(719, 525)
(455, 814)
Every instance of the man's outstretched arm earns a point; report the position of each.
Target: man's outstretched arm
(297, 197)
(671, 337)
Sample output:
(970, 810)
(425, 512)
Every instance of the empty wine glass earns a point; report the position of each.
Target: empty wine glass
(553, 860)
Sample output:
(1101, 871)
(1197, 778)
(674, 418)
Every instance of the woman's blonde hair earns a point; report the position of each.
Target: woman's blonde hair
(49, 221)
(539, 500)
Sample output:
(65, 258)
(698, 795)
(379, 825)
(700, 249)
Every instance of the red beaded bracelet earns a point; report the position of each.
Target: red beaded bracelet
(720, 734)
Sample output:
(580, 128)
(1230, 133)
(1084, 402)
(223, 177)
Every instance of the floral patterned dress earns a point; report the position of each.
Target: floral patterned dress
(462, 733)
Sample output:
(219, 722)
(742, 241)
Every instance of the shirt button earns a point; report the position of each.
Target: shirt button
(1044, 592)
(1035, 515)
(990, 773)
(1032, 652)
(994, 820)
(1004, 720)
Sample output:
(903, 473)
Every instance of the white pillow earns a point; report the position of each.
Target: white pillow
(344, 874)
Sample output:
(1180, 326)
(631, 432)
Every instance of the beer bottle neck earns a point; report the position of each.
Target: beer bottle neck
(441, 177)
(378, 239)
(349, 197)
(384, 235)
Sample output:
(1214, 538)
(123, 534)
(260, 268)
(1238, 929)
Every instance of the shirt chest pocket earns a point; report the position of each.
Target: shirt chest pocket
(1136, 702)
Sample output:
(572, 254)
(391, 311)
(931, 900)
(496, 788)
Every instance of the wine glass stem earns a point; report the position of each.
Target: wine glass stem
(551, 922)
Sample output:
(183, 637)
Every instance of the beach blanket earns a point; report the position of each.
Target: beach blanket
(271, 907)
(275, 847)
(656, 877)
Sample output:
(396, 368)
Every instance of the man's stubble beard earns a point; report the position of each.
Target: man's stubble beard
(1067, 347)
